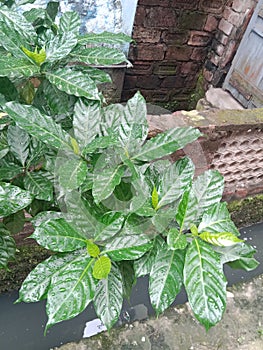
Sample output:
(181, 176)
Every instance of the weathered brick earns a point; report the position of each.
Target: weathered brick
(211, 23)
(148, 52)
(188, 67)
(173, 82)
(219, 49)
(175, 37)
(139, 16)
(199, 53)
(160, 17)
(225, 26)
(239, 5)
(199, 38)
(160, 96)
(178, 53)
(233, 17)
(130, 82)
(140, 68)
(228, 53)
(215, 59)
(146, 35)
(207, 75)
(222, 38)
(184, 4)
(212, 6)
(148, 82)
(192, 20)
(164, 69)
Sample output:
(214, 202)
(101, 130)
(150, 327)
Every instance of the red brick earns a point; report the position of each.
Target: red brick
(173, 82)
(212, 6)
(199, 38)
(215, 59)
(228, 53)
(160, 17)
(222, 38)
(199, 53)
(233, 17)
(184, 4)
(140, 68)
(164, 69)
(146, 35)
(239, 5)
(188, 67)
(211, 23)
(148, 82)
(178, 53)
(140, 16)
(219, 49)
(208, 75)
(225, 26)
(192, 20)
(175, 37)
(130, 82)
(144, 52)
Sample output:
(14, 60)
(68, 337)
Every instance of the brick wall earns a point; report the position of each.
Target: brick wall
(175, 40)
(231, 28)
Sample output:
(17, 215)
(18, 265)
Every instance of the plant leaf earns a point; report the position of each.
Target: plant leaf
(13, 67)
(41, 126)
(128, 277)
(106, 181)
(108, 297)
(155, 198)
(39, 185)
(208, 189)
(13, 199)
(101, 56)
(69, 23)
(143, 265)
(217, 219)
(18, 141)
(60, 46)
(166, 278)
(128, 246)
(187, 210)
(8, 170)
(15, 222)
(102, 267)
(37, 56)
(205, 283)
(104, 38)
(86, 121)
(167, 143)
(72, 173)
(7, 248)
(71, 290)
(12, 41)
(59, 236)
(239, 256)
(176, 240)
(74, 83)
(223, 239)
(36, 284)
(175, 180)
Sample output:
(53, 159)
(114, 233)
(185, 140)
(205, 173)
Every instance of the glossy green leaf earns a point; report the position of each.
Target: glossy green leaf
(187, 210)
(18, 141)
(128, 246)
(223, 239)
(102, 267)
(34, 14)
(217, 219)
(7, 248)
(45, 216)
(239, 256)
(208, 189)
(72, 173)
(16, 21)
(108, 226)
(176, 240)
(74, 83)
(27, 92)
(100, 143)
(143, 265)
(69, 23)
(163, 218)
(71, 290)
(4, 148)
(39, 185)
(98, 56)
(108, 297)
(60, 46)
(86, 121)
(175, 180)
(99, 76)
(13, 199)
(104, 38)
(205, 283)
(128, 277)
(155, 198)
(8, 170)
(15, 222)
(12, 41)
(38, 125)
(36, 284)
(13, 67)
(166, 278)
(106, 181)
(58, 235)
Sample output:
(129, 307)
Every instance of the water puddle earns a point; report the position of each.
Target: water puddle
(22, 325)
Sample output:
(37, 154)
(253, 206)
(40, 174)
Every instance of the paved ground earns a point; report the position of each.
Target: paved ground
(240, 329)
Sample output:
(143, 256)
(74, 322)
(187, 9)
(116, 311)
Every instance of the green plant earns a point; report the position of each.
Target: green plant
(102, 199)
